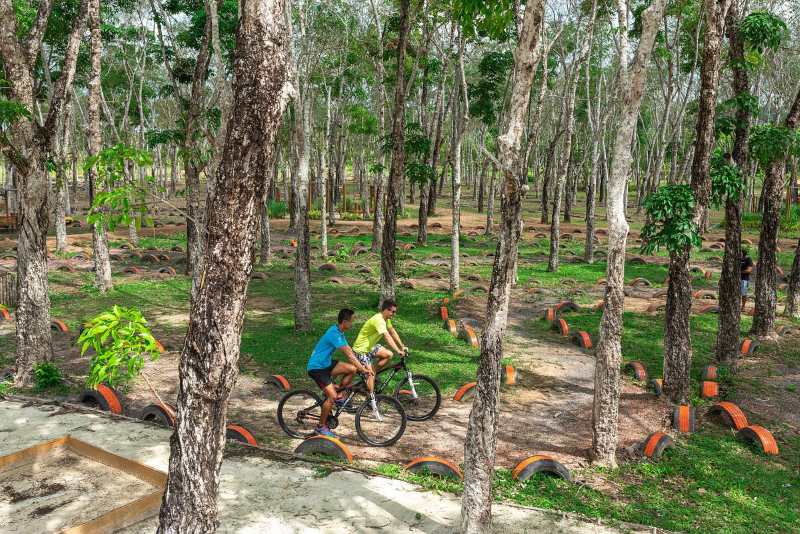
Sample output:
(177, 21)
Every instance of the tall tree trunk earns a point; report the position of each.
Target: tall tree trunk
(302, 267)
(481, 440)
(397, 169)
(94, 141)
(490, 202)
(730, 302)
(30, 149)
(209, 360)
(765, 291)
(677, 335)
(608, 356)
(266, 237)
(459, 125)
(793, 293)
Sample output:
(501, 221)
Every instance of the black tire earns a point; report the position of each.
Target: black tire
(298, 413)
(428, 400)
(386, 432)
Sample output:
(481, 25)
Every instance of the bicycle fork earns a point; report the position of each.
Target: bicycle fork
(374, 405)
(411, 383)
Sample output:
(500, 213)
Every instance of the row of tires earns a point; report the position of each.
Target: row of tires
(552, 315)
(465, 328)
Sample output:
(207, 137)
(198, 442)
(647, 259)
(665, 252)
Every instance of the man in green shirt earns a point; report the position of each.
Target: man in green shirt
(378, 328)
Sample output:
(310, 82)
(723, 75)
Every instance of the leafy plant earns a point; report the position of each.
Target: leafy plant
(670, 210)
(762, 30)
(769, 142)
(277, 209)
(121, 340)
(47, 375)
(726, 180)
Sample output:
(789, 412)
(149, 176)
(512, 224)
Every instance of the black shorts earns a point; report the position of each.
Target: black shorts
(323, 376)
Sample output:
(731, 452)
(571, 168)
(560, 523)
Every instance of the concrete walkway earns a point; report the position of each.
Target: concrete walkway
(260, 494)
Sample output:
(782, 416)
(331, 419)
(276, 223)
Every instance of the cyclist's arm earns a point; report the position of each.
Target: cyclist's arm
(396, 336)
(391, 342)
(353, 359)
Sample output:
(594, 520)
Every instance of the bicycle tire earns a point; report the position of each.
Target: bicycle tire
(412, 415)
(284, 422)
(396, 407)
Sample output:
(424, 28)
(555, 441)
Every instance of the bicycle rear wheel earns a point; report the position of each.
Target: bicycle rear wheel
(299, 412)
(427, 401)
(385, 427)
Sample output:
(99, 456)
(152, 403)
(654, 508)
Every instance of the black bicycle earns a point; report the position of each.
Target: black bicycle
(380, 419)
(418, 394)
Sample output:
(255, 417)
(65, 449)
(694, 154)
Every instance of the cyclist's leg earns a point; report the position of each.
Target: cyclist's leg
(323, 378)
(346, 371)
(382, 354)
(366, 361)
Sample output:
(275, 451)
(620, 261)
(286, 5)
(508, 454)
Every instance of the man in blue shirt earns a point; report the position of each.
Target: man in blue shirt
(322, 367)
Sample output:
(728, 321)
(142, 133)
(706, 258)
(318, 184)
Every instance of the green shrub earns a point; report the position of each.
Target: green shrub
(789, 222)
(47, 376)
(314, 215)
(278, 209)
(121, 339)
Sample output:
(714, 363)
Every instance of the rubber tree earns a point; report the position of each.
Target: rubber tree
(773, 145)
(378, 214)
(460, 119)
(608, 359)
(677, 335)
(209, 359)
(481, 439)
(94, 142)
(397, 168)
(29, 146)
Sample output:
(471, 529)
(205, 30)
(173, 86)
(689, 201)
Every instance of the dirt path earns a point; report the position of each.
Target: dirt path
(261, 493)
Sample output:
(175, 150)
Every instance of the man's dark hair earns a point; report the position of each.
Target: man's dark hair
(388, 303)
(345, 314)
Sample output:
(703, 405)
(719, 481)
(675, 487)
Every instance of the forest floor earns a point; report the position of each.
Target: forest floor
(708, 482)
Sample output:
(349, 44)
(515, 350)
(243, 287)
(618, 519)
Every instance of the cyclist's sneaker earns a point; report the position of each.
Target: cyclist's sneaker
(324, 431)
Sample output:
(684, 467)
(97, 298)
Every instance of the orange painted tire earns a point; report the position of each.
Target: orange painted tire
(550, 315)
(168, 270)
(707, 275)
(759, 435)
(657, 385)
(730, 414)
(540, 463)
(582, 339)
(435, 466)
(561, 326)
(240, 434)
(160, 347)
(4, 314)
(325, 445)
(131, 270)
(654, 445)
(709, 389)
(465, 392)
(468, 334)
(443, 313)
(160, 414)
(509, 375)
(683, 418)
(566, 306)
(450, 326)
(710, 372)
(275, 386)
(638, 369)
(748, 346)
(59, 326)
(709, 309)
(103, 398)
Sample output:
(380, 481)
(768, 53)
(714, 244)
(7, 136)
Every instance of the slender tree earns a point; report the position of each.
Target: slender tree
(209, 360)
(481, 440)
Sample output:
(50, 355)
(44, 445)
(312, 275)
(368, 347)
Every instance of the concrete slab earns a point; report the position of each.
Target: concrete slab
(259, 494)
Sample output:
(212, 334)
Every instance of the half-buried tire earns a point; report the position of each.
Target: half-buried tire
(748, 346)
(465, 392)
(275, 386)
(566, 306)
(561, 326)
(102, 398)
(730, 414)
(240, 434)
(434, 466)
(509, 374)
(468, 334)
(638, 370)
(540, 463)
(758, 435)
(683, 418)
(550, 315)
(582, 339)
(710, 372)
(657, 385)
(653, 447)
(324, 446)
(451, 326)
(709, 389)
(160, 414)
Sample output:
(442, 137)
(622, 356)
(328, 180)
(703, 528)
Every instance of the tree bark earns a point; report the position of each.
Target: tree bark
(460, 125)
(94, 141)
(730, 301)
(608, 356)
(208, 364)
(481, 439)
(302, 266)
(490, 202)
(677, 334)
(398, 161)
(765, 290)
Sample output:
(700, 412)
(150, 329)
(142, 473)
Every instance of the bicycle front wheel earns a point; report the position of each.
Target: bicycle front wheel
(299, 412)
(420, 402)
(381, 426)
